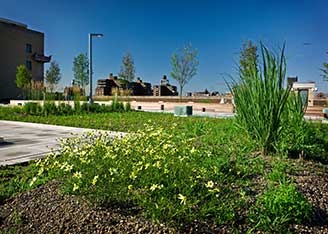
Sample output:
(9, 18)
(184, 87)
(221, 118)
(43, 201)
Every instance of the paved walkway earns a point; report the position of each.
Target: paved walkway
(27, 141)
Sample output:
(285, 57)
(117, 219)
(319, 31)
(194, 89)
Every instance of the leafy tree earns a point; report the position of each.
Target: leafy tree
(80, 69)
(127, 69)
(23, 78)
(248, 58)
(325, 71)
(184, 66)
(53, 75)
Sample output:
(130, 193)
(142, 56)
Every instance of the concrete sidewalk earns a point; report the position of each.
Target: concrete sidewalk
(28, 141)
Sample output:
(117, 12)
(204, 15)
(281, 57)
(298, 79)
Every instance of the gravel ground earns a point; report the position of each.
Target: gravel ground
(313, 183)
(46, 210)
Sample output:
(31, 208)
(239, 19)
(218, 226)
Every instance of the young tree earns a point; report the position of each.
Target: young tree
(23, 78)
(80, 69)
(184, 66)
(248, 58)
(127, 69)
(53, 75)
(325, 71)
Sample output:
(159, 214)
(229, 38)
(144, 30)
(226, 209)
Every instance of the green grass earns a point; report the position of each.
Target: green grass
(125, 122)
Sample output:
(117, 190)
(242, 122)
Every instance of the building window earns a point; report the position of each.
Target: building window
(28, 65)
(28, 48)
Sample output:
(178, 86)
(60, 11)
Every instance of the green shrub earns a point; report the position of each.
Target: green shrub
(127, 106)
(264, 107)
(280, 206)
(65, 109)
(77, 107)
(85, 107)
(31, 108)
(49, 108)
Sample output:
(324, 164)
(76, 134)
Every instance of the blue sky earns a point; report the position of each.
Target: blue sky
(152, 30)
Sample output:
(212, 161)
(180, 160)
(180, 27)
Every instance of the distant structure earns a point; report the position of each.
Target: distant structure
(204, 93)
(165, 89)
(19, 46)
(108, 87)
(71, 91)
(140, 88)
(308, 87)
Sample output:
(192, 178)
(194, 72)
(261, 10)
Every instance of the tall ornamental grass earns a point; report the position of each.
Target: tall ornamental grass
(264, 105)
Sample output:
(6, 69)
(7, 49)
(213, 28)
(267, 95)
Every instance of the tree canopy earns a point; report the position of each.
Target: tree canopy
(248, 58)
(325, 71)
(184, 65)
(23, 77)
(80, 70)
(53, 75)
(127, 69)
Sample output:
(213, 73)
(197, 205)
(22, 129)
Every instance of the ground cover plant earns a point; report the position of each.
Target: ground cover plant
(177, 170)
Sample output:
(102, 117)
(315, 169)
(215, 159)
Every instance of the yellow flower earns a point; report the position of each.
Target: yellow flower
(130, 187)
(182, 198)
(40, 171)
(33, 180)
(94, 181)
(68, 168)
(75, 187)
(210, 184)
(77, 174)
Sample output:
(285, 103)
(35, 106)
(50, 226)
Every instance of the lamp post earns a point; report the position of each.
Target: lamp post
(90, 62)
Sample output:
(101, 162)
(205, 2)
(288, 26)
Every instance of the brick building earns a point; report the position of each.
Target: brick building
(165, 89)
(106, 87)
(140, 88)
(19, 45)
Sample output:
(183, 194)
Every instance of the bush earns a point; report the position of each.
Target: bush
(264, 108)
(280, 206)
(49, 108)
(65, 109)
(77, 107)
(127, 106)
(32, 108)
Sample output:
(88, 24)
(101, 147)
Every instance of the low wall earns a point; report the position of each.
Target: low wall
(169, 105)
(209, 99)
(150, 106)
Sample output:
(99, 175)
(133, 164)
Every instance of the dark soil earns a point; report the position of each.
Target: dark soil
(46, 210)
(313, 183)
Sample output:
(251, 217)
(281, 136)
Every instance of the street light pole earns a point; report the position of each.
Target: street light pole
(90, 62)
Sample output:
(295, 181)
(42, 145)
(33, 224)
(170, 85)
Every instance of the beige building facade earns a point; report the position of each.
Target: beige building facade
(19, 45)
